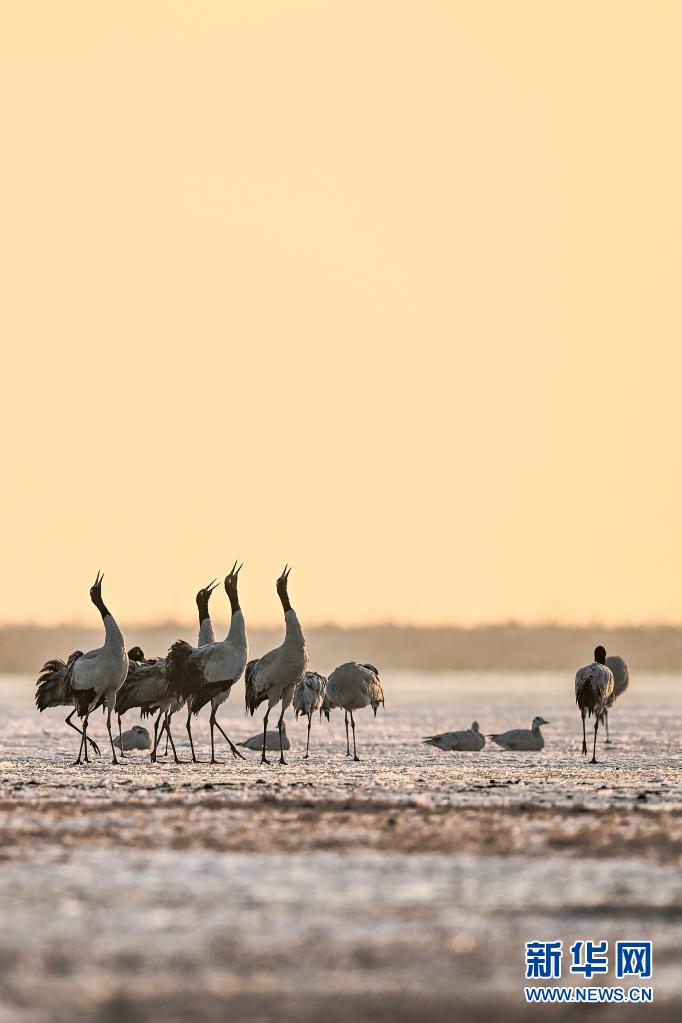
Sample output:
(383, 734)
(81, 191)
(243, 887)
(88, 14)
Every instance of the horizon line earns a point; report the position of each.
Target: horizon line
(502, 623)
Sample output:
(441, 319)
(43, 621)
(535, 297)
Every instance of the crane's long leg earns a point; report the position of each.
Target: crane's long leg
(347, 739)
(279, 729)
(120, 736)
(355, 752)
(165, 752)
(80, 748)
(606, 721)
(235, 751)
(594, 749)
(211, 722)
(307, 744)
(83, 749)
(189, 732)
(156, 736)
(166, 725)
(111, 738)
(582, 711)
(263, 758)
(69, 722)
(85, 738)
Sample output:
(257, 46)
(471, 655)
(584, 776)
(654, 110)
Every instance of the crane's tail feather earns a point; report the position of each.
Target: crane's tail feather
(252, 698)
(54, 682)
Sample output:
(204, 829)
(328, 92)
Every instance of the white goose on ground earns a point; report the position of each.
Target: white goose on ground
(594, 694)
(271, 740)
(309, 695)
(621, 679)
(136, 737)
(210, 671)
(468, 740)
(95, 677)
(353, 686)
(274, 676)
(522, 739)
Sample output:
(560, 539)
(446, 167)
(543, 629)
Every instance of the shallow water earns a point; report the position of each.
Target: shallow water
(332, 888)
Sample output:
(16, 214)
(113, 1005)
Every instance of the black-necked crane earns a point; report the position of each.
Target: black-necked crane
(353, 686)
(94, 678)
(309, 694)
(148, 688)
(205, 638)
(274, 676)
(209, 671)
(53, 689)
(594, 689)
(621, 680)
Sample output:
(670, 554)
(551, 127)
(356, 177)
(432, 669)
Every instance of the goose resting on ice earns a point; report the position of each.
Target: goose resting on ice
(271, 740)
(136, 737)
(530, 739)
(468, 740)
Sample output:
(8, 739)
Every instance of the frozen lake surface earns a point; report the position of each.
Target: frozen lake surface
(398, 888)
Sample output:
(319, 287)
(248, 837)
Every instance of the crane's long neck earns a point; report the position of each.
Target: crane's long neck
(294, 633)
(202, 607)
(113, 637)
(237, 633)
(206, 634)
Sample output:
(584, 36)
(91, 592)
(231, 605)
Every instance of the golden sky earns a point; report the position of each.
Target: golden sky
(388, 290)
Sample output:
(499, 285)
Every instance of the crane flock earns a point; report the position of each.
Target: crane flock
(192, 677)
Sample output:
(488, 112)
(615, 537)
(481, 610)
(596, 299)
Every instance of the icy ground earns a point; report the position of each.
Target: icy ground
(401, 888)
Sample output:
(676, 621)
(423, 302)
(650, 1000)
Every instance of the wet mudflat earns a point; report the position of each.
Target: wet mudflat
(401, 887)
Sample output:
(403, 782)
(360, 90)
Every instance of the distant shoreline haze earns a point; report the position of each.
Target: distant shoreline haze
(24, 648)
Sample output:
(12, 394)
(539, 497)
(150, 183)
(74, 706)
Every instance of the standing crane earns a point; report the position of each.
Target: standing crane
(353, 686)
(149, 688)
(594, 694)
(205, 638)
(93, 679)
(274, 676)
(53, 690)
(208, 673)
(309, 694)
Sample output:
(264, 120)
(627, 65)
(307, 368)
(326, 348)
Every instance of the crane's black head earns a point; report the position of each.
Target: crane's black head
(136, 653)
(203, 597)
(231, 584)
(600, 655)
(96, 595)
(96, 588)
(282, 591)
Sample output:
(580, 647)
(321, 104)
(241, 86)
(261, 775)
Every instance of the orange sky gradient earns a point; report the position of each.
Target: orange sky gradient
(386, 290)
